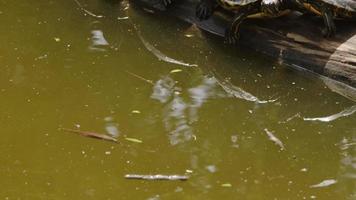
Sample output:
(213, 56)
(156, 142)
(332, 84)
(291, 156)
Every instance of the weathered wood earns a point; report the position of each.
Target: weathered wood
(294, 40)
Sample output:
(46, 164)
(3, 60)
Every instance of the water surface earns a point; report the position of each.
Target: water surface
(240, 125)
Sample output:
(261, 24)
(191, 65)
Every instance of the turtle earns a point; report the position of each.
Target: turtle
(327, 9)
(242, 9)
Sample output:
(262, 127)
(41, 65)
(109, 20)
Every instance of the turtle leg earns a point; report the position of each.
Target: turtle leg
(166, 2)
(330, 28)
(232, 33)
(327, 14)
(205, 9)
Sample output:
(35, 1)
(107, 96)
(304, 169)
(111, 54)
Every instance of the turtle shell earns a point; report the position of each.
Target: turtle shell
(349, 5)
(233, 3)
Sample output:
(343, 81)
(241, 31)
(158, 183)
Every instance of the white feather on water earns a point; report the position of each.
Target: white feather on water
(162, 56)
(274, 139)
(347, 112)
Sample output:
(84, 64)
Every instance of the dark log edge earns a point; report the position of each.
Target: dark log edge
(293, 40)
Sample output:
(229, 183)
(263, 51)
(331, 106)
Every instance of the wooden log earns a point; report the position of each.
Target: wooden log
(294, 40)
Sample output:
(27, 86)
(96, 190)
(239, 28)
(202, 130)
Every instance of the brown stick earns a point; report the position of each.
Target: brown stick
(91, 135)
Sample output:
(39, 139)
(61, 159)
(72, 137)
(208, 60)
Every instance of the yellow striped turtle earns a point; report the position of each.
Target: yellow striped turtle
(242, 9)
(327, 9)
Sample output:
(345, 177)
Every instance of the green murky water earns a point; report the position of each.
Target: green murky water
(241, 126)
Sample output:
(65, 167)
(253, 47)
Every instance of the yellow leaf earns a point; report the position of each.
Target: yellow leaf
(226, 185)
(134, 140)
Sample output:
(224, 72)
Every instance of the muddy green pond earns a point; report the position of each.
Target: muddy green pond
(179, 102)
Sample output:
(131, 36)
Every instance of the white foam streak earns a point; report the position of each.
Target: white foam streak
(240, 93)
(162, 56)
(344, 113)
(324, 183)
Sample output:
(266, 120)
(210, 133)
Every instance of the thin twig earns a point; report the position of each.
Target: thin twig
(91, 134)
(158, 177)
(140, 77)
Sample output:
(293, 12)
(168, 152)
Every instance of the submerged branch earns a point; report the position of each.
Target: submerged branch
(91, 134)
(157, 177)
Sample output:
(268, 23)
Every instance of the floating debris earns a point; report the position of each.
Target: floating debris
(157, 177)
(226, 185)
(324, 183)
(98, 41)
(291, 118)
(304, 170)
(240, 93)
(274, 139)
(136, 112)
(347, 112)
(87, 11)
(122, 18)
(339, 87)
(134, 140)
(91, 134)
(175, 71)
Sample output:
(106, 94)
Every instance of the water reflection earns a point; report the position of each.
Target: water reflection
(111, 127)
(340, 88)
(348, 162)
(348, 159)
(19, 74)
(163, 89)
(98, 41)
(200, 94)
(179, 113)
(87, 12)
(176, 121)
